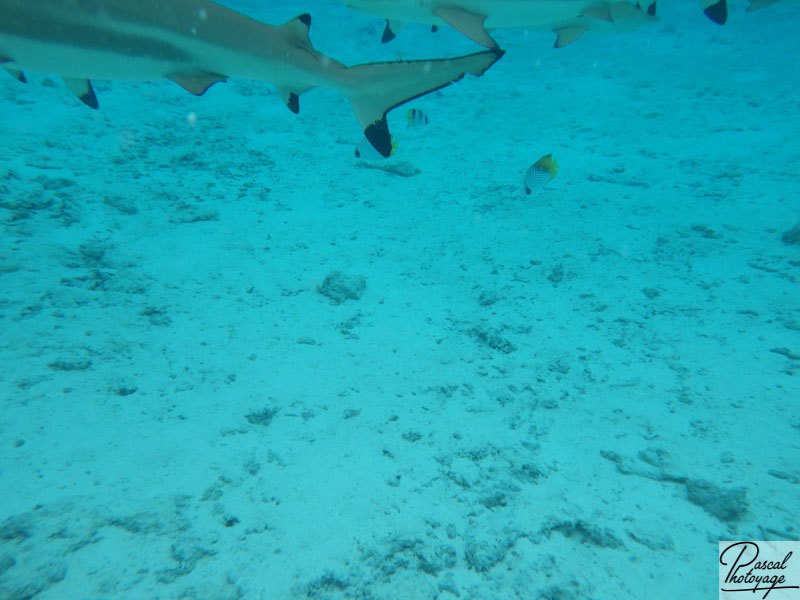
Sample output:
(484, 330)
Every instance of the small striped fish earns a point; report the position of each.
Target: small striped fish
(416, 117)
(541, 172)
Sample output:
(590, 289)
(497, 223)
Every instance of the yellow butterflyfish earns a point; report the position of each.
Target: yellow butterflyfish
(541, 172)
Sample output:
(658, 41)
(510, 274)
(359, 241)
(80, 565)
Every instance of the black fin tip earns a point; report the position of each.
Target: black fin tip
(718, 12)
(293, 103)
(379, 136)
(388, 34)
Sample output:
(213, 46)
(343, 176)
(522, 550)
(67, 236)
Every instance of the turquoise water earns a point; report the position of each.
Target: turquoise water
(239, 362)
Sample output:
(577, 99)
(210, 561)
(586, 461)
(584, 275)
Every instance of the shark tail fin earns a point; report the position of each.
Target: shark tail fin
(376, 88)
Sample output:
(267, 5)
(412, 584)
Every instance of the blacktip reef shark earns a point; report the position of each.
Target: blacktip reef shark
(568, 19)
(197, 43)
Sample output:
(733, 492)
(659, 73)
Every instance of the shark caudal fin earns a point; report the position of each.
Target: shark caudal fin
(376, 88)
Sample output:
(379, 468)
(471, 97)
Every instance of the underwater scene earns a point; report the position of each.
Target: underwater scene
(396, 299)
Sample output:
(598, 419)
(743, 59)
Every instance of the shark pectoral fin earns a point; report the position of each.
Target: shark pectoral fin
(82, 88)
(601, 11)
(197, 83)
(376, 88)
(716, 10)
(292, 98)
(17, 74)
(470, 24)
(567, 35)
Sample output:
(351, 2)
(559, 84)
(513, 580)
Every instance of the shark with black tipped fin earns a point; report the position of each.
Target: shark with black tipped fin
(759, 4)
(568, 19)
(197, 43)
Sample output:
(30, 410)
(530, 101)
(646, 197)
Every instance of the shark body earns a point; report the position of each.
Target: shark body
(759, 4)
(568, 19)
(197, 43)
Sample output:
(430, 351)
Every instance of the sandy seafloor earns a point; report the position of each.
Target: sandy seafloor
(567, 395)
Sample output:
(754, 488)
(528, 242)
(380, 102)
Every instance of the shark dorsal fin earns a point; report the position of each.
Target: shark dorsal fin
(297, 30)
(196, 82)
(82, 88)
(567, 35)
(470, 24)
